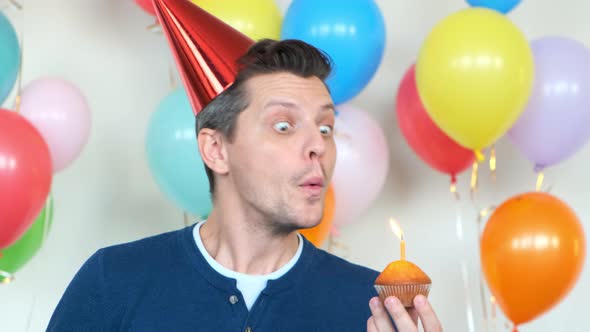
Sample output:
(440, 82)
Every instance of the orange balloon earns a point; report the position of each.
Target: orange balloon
(532, 252)
(318, 234)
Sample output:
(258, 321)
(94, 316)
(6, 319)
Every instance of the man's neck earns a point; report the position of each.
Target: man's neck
(243, 246)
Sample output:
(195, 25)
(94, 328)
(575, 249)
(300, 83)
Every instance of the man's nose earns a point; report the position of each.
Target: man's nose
(315, 143)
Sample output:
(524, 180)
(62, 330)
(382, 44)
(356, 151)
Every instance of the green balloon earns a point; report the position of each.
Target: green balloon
(19, 253)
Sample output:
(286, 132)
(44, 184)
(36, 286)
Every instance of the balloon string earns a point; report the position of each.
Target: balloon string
(46, 219)
(154, 27)
(330, 242)
(540, 178)
(493, 162)
(334, 243)
(493, 305)
(481, 216)
(483, 213)
(482, 291)
(20, 65)
(16, 4)
(30, 316)
(493, 168)
(13, 4)
(474, 180)
(186, 219)
(464, 267)
(453, 188)
(171, 76)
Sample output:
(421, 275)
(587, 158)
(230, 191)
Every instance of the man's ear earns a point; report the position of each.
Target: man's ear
(213, 150)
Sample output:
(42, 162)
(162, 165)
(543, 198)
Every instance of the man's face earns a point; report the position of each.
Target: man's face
(283, 153)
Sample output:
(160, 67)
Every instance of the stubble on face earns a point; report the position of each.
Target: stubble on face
(281, 220)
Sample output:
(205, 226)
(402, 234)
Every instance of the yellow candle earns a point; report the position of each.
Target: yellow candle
(400, 234)
(403, 247)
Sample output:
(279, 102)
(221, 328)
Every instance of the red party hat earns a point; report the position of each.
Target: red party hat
(204, 47)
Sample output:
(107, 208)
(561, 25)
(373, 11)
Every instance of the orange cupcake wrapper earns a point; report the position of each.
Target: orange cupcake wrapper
(405, 293)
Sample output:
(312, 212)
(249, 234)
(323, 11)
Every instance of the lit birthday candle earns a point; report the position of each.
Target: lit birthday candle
(397, 230)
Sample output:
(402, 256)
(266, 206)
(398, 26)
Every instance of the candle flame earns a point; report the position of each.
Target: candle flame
(397, 230)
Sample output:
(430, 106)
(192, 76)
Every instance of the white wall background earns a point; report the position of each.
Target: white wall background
(108, 196)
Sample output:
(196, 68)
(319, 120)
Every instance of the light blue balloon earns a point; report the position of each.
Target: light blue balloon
(503, 6)
(173, 155)
(351, 32)
(9, 57)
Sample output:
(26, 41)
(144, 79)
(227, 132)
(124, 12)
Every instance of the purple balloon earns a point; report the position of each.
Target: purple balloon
(556, 121)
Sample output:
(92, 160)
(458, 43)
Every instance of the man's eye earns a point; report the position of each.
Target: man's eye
(282, 127)
(326, 130)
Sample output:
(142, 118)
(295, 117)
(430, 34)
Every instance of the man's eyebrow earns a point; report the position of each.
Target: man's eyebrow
(329, 107)
(291, 105)
(286, 104)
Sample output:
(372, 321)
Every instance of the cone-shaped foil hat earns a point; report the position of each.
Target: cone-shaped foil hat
(204, 47)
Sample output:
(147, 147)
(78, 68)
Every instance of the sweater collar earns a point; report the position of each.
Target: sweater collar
(287, 281)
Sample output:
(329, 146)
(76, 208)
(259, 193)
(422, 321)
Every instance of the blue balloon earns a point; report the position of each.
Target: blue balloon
(9, 57)
(503, 6)
(173, 155)
(351, 32)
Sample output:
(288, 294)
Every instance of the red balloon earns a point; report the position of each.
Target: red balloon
(427, 140)
(25, 175)
(146, 5)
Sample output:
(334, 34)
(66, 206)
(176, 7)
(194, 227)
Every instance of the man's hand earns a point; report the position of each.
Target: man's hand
(405, 320)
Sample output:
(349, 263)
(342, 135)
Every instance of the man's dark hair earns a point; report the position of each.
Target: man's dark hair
(264, 57)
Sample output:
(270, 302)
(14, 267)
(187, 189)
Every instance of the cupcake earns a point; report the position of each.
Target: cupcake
(404, 280)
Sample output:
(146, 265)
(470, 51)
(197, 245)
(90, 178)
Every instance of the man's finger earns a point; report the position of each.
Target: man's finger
(427, 315)
(380, 316)
(414, 315)
(401, 317)
(371, 327)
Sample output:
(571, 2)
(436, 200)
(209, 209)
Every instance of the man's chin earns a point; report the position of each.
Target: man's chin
(301, 218)
(308, 223)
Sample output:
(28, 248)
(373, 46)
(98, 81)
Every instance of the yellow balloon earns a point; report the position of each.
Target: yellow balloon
(256, 19)
(474, 75)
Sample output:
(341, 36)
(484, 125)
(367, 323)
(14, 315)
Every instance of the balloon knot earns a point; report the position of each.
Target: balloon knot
(334, 231)
(479, 156)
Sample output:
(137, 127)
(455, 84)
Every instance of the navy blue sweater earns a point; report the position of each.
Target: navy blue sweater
(163, 283)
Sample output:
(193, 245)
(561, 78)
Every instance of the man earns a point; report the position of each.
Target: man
(268, 148)
(267, 143)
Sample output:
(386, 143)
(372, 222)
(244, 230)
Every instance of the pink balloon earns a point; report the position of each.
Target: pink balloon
(362, 163)
(60, 112)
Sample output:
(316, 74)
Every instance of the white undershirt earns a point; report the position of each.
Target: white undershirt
(249, 285)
